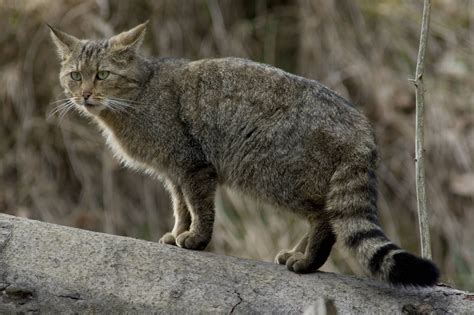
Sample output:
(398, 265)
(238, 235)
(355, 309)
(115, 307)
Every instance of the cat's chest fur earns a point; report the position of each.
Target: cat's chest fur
(123, 152)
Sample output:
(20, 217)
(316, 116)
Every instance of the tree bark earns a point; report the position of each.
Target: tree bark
(46, 268)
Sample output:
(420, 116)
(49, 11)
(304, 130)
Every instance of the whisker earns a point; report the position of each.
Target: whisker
(119, 106)
(58, 108)
(62, 108)
(58, 101)
(113, 107)
(125, 100)
(66, 110)
(65, 99)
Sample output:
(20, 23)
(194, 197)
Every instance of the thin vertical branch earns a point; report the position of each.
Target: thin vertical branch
(420, 112)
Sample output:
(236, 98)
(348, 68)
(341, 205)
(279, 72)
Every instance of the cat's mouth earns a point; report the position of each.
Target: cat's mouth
(90, 104)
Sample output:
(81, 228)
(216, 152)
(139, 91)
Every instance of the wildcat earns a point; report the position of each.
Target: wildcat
(282, 139)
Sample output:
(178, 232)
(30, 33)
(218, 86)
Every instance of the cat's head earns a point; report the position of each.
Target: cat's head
(101, 75)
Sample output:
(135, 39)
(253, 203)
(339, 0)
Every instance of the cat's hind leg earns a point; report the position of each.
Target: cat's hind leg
(320, 240)
(284, 254)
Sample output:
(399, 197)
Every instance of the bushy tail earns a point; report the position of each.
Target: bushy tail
(352, 204)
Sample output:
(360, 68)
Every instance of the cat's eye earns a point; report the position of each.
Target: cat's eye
(102, 75)
(76, 76)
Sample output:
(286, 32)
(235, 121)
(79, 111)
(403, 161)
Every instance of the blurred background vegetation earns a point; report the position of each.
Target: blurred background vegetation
(58, 170)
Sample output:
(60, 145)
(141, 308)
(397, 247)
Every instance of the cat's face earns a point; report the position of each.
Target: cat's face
(100, 75)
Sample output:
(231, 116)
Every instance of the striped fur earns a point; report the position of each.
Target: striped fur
(352, 204)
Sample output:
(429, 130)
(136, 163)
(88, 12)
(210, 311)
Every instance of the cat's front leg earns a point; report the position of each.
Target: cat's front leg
(199, 190)
(182, 217)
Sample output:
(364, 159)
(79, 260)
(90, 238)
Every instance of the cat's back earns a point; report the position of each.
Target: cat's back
(238, 77)
(232, 88)
(262, 86)
(236, 67)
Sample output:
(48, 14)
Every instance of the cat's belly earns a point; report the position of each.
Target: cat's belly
(249, 197)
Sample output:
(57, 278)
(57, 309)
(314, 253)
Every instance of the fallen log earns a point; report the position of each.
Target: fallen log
(47, 268)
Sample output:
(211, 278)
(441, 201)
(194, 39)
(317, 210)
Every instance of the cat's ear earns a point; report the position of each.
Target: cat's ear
(129, 40)
(65, 43)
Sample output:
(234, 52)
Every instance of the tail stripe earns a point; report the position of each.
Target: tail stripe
(356, 239)
(352, 204)
(377, 259)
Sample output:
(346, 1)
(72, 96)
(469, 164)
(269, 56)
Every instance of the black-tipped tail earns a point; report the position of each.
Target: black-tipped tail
(408, 269)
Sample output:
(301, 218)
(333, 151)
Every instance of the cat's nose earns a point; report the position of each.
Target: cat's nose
(86, 94)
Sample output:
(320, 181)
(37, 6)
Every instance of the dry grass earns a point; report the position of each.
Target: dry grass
(58, 170)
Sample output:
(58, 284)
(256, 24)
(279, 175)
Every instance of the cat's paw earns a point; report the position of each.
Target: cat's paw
(299, 263)
(168, 238)
(283, 256)
(191, 240)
